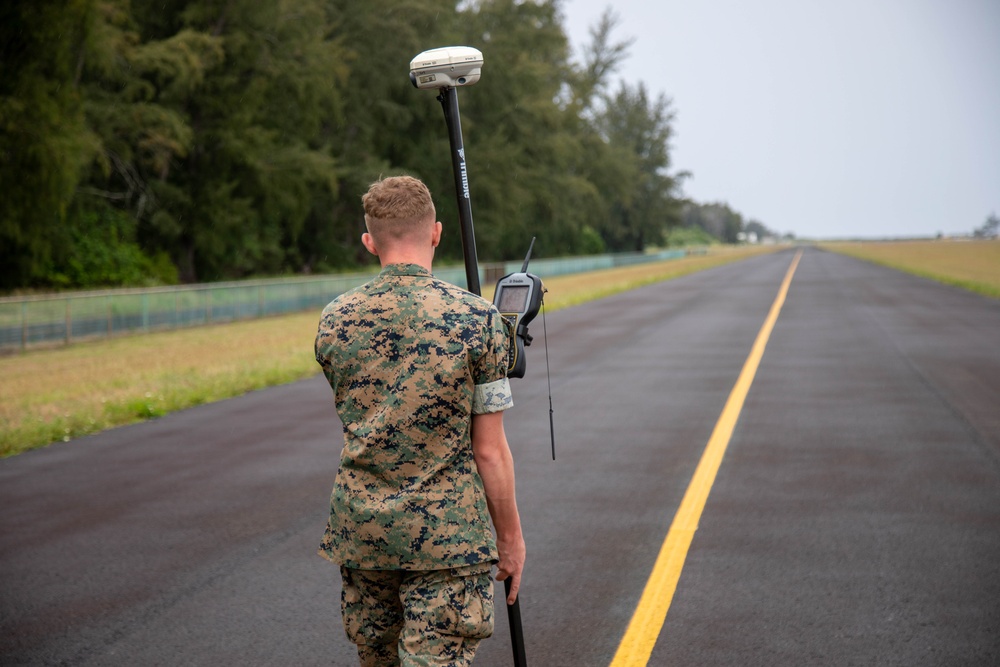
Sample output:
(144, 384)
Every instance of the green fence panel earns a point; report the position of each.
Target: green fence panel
(61, 319)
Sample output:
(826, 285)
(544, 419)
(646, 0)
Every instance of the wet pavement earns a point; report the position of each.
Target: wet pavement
(855, 519)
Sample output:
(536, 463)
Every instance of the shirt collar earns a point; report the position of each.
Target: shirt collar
(404, 270)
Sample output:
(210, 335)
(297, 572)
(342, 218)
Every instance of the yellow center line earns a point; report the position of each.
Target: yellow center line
(644, 628)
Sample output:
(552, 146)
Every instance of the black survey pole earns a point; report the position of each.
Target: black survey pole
(449, 101)
(516, 633)
(441, 69)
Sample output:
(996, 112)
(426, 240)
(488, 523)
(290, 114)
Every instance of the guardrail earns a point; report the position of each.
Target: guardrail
(65, 318)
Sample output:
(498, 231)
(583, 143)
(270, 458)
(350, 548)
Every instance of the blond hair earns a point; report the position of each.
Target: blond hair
(396, 207)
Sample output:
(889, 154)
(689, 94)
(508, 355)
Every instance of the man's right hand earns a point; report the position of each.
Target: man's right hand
(511, 565)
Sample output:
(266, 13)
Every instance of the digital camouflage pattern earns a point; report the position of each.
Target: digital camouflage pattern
(435, 617)
(410, 359)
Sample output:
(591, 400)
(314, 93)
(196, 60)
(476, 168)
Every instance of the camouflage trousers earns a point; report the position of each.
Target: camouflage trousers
(417, 618)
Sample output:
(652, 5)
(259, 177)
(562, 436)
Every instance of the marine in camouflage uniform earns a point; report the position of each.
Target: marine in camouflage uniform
(411, 360)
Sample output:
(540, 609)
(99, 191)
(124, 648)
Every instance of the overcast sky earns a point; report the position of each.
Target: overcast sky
(853, 118)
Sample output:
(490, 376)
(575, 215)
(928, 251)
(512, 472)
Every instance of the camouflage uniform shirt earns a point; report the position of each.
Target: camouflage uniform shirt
(410, 359)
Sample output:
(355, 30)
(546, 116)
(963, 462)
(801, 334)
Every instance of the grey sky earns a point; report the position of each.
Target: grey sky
(877, 118)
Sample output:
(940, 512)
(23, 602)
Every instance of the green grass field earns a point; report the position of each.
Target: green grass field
(59, 394)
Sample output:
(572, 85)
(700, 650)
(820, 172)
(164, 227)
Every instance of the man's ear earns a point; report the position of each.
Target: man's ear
(369, 243)
(436, 238)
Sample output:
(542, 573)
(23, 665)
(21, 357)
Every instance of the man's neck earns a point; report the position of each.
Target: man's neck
(407, 257)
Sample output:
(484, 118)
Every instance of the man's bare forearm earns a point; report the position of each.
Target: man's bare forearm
(496, 468)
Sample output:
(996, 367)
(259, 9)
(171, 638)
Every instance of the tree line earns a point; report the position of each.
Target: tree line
(164, 141)
(989, 229)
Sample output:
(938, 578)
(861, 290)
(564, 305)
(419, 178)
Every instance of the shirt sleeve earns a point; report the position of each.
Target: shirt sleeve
(492, 397)
(492, 391)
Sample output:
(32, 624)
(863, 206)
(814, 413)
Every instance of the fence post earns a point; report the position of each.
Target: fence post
(69, 321)
(24, 326)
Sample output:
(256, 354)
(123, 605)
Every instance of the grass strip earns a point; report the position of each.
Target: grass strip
(59, 394)
(971, 265)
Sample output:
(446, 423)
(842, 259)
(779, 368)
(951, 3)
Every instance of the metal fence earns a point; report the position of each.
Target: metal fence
(61, 319)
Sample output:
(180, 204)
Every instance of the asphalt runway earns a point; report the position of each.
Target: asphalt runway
(855, 518)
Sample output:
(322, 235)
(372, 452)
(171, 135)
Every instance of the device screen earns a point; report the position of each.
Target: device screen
(513, 299)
